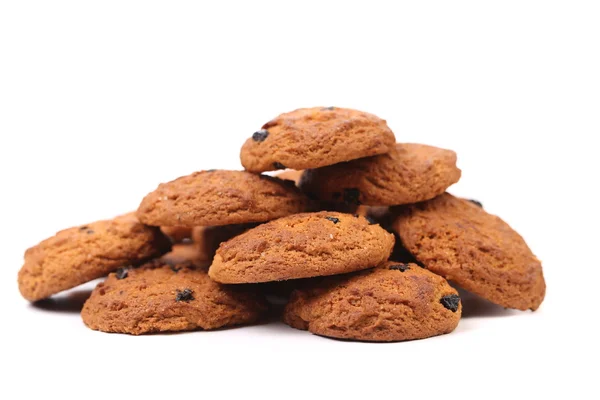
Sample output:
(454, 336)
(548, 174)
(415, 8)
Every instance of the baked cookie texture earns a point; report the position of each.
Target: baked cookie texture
(214, 198)
(458, 240)
(301, 246)
(316, 137)
(409, 173)
(81, 254)
(161, 297)
(393, 302)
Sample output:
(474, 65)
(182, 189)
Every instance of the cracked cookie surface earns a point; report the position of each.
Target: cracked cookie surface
(220, 197)
(390, 303)
(77, 255)
(302, 246)
(316, 137)
(410, 173)
(163, 297)
(457, 239)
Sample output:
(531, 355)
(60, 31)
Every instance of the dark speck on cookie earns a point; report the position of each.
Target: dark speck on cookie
(399, 267)
(477, 203)
(184, 295)
(121, 273)
(260, 136)
(328, 108)
(333, 219)
(451, 302)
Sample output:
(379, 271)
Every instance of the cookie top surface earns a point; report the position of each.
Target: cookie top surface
(220, 197)
(77, 255)
(457, 239)
(390, 303)
(410, 173)
(302, 246)
(159, 297)
(316, 137)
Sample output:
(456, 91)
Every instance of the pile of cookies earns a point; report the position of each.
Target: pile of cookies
(357, 237)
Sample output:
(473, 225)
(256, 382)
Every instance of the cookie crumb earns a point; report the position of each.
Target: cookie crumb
(260, 136)
(184, 295)
(450, 302)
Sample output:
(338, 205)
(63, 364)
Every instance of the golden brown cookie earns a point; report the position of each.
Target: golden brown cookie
(390, 303)
(410, 173)
(211, 198)
(316, 137)
(457, 239)
(159, 297)
(302, 246)
(177, 234)
(81, 254)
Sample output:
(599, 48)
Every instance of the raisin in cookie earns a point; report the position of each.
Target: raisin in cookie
(390, 303)
(410, 173)
(81, 254)
(159, 297)
(210, 198)
(302, 246)
(457, 239)
(316, 137)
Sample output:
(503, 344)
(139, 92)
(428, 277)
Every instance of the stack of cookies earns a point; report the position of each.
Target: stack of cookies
(357, 237)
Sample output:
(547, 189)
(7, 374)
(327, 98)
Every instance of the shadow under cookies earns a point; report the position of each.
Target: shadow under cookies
(70, 302)
(478, 307)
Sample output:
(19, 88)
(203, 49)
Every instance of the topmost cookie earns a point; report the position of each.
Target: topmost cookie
(316, 137)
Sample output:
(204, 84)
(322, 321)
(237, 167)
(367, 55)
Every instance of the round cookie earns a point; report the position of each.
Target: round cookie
(302, 246)
(212, 198)
(410, 173)
(391, 303)
(316, 137)
(457, 239)
(159, 297)
(81, 254)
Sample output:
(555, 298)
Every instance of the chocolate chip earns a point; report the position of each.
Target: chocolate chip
(400, 267)
(336, 195)
(83, 228)
(333, 219)
(351, 196)
(121, 273)
(477, 203)
(327, 108)
(89, 231)
(371, 220)
(260, 136)
(279, 165)
(451, 302)
(184, 295)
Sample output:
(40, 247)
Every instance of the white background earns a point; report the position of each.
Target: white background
(101, 101)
